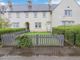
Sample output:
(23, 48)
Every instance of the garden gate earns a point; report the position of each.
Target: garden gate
(47, 40)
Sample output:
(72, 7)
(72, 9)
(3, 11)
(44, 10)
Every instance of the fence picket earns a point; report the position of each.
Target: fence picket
(37, 40)
(48, 40)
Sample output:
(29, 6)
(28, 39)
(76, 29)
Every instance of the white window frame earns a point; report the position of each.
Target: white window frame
(9, 15)
(38, 25)
(44, 14)
(26, 14)
(17, 14)
(68, 12)
(15, 24)
(35, 14)
(68, 22)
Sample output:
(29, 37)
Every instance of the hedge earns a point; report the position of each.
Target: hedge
(69, 32)
(10, 30)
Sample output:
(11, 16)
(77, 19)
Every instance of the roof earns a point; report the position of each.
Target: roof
(35, 7)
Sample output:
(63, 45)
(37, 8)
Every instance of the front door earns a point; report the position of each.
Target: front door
(27, 26)
(48, 27)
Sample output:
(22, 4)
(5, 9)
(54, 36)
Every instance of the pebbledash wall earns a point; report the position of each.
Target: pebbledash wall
(58, 16)
(59, 13)
(31, 19)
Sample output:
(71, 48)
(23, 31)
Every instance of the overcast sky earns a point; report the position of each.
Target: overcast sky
(34, 1)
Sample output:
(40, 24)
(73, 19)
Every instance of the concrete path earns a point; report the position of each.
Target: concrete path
(39, 58)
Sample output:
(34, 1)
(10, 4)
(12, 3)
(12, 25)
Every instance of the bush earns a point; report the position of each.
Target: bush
(69, 33)
(23, 41)
(10, 30)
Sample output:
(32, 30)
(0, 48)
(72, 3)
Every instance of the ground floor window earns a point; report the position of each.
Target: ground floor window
(38, 25)
(15, 24)
(68, 22)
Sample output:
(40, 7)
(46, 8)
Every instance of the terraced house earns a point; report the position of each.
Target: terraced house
(42, 17)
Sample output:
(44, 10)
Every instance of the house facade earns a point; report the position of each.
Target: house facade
(42, 19)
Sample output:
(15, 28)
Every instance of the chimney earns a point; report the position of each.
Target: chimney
(10, 4)
(50, 6)
(29, 4)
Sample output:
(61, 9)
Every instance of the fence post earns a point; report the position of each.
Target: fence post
(74, 38)
(37, 40)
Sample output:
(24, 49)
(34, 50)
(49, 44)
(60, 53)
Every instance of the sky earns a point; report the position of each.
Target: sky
(34, 1)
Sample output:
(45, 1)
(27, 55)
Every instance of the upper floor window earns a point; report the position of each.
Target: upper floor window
(68, 12)
(44, 14)
(35, 14)
(27, 15)
(37, 24)
(17, 15)
(9, 15)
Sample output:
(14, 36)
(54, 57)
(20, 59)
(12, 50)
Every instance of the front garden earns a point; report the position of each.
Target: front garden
(7, 33)
(71, 33)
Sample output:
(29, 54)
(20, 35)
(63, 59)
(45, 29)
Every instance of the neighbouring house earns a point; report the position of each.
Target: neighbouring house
(39, 18)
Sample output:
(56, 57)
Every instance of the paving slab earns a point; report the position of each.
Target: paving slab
(39, 58)
(5, 51)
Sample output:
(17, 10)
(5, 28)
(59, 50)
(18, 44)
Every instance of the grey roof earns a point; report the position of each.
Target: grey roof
(35, 7)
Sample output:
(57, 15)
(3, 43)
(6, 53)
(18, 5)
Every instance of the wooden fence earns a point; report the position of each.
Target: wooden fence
(37, 40)
(8, 39)
(47, 40)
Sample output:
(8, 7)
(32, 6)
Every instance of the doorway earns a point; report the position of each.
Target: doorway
(48, 26)
(28, 26)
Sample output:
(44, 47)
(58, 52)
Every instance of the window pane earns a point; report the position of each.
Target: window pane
(27, 15)
(68, 22)
(37, 24)
(16, 24)
(9, 15)
(44, 14)
(68, 12)
(35, 14)
(17, 15)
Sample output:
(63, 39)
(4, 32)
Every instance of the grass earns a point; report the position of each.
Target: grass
(37, 33)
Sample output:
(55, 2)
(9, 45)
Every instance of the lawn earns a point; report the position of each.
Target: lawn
(37, 33)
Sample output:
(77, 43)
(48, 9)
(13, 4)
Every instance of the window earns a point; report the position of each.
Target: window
(37, 24)
(16, 24)
(18, 15)
(35, 14)
(68, 22)
(44, 14)
(68, 12)
(9, 15)
(27, 15)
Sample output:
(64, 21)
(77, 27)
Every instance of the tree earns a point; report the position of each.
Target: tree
(3, 22)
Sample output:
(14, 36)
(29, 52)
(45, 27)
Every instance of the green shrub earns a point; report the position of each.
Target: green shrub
(23, 41)
(69, 31)
(10, 30)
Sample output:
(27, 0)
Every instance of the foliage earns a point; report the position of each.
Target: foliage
(10, 30)
(69, 32)
(3, 23)
(23, 41)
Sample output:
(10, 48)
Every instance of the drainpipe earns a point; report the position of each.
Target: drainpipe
(50, 10)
